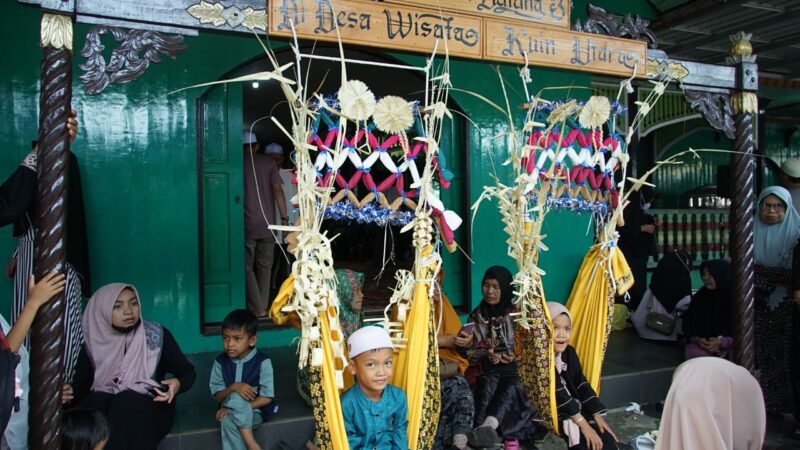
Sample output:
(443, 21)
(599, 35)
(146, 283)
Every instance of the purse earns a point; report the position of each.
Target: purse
(660, 323)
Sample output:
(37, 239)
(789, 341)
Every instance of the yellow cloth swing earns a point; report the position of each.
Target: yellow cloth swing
(591, 304)
(417, 368)
(328, 418)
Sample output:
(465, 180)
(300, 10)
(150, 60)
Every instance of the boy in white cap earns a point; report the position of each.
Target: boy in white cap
(790, 179)
(375, 412)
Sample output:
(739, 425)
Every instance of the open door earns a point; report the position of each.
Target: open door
(221, 194)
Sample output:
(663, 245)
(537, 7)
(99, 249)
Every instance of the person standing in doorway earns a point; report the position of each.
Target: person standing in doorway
(262, 191)
(283, 259)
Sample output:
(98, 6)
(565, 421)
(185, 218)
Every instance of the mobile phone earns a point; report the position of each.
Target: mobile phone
(468, 328)
(501, 349)
(161, 387)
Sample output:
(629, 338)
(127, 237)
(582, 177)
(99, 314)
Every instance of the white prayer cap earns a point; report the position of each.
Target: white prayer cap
(249, 137)
(368, 338)
(791, 167)
(274, 148)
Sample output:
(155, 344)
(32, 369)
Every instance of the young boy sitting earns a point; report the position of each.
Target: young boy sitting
(375, 412)
(241, 381)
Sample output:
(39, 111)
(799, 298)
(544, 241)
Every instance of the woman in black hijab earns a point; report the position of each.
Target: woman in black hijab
(706, 323)
(668, 295)
(501, 406)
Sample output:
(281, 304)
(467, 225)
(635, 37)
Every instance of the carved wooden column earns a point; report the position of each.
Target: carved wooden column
(47, 334)
(745, 107)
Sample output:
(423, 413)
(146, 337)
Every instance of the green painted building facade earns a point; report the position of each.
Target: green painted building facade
(138, 153)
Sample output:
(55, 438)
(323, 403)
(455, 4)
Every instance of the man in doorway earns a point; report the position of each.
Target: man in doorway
(262, 191)
(790, 179)
(282, 267)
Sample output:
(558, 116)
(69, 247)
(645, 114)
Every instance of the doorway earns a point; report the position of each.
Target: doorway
(377, 251)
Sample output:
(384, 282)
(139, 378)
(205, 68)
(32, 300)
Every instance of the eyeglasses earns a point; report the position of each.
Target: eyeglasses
(776, 207)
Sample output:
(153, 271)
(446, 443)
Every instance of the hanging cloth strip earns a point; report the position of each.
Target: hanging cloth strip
(417, 368)
(328, 420)
(604, 274)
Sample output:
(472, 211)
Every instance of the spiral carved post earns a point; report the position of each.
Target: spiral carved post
(745, 107)
(47, 334)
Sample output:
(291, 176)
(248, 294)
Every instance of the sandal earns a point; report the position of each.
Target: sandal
(483, 436)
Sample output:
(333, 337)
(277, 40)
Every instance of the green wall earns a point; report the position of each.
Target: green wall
(137, 152)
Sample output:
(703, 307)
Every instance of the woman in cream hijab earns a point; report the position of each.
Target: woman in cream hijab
(712, 404)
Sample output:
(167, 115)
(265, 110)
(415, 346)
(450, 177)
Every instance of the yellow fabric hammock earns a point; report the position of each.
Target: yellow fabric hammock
(417, 369)
(591, 304)
(329, 423)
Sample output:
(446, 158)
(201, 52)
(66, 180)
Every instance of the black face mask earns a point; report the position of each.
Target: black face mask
(126, 330)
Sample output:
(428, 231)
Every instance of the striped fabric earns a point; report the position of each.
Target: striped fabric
(73, 333)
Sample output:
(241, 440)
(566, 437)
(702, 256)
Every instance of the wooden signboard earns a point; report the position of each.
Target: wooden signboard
(378, 25)
(505, 41)
(411, 28)
(546, 12)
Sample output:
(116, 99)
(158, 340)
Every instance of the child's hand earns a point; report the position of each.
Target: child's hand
(245, 390)
(221, 413)
(66, 393)
(602, 425)
(593, 440)
(47, 288)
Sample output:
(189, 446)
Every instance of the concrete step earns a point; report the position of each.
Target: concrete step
(290, 433)
(634, 370)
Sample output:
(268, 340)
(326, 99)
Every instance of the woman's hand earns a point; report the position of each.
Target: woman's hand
(603, 426)
(593, 440)
(713, 345)
(464, 340)
(494, 358)
(174, 386)
(72, 125)
(221, 413)
(48, 287)
(447, 341)
(67, 395)
(507, 358)
(11, 268)
(245, 390)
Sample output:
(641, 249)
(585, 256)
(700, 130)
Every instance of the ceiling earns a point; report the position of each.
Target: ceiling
(699, 31)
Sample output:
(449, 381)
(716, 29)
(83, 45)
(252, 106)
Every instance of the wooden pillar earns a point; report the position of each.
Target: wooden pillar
(745, 107)
(47, 334)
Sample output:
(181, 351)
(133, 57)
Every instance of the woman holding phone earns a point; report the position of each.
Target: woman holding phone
(501, 407)
(122, 370)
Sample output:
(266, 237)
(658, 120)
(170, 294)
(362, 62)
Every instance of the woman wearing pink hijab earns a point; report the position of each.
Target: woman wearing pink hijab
(712, 403)
(121, 369)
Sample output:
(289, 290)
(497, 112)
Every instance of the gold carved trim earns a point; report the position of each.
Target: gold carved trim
(744, 103)
(57, 31)
(218, 15)
(659, 68)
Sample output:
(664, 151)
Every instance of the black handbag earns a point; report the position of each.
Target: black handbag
(660, 323)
